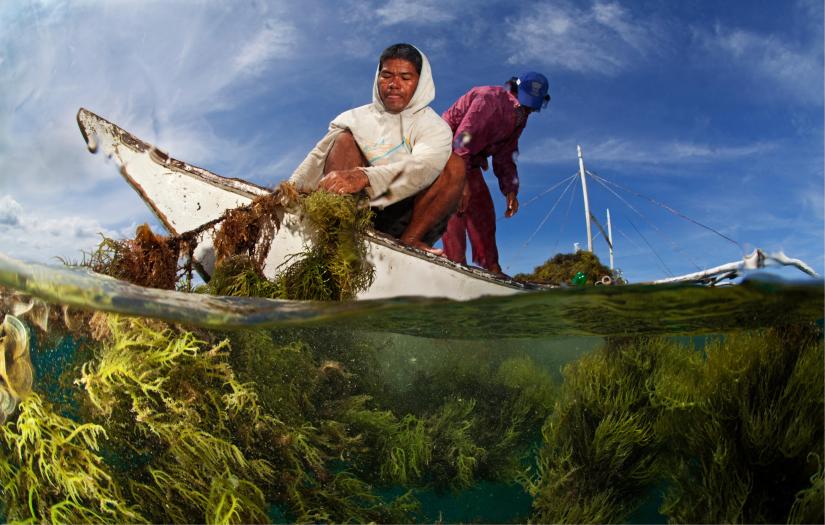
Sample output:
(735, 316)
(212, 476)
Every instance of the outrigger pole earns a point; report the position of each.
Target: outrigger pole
(610, 238)
(586, 200)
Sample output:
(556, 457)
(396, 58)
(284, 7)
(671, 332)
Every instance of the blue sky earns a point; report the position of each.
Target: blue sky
(713, 108)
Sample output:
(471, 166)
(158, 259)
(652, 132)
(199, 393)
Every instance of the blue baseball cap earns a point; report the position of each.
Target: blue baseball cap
(532, 90)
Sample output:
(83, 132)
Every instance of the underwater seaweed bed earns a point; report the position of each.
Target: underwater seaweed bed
(167, 425)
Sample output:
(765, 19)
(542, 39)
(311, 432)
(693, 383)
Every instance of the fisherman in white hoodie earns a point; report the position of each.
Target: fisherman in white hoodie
(397, 149)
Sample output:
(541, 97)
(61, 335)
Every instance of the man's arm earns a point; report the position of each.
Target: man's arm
(504, 167)
(475, 131)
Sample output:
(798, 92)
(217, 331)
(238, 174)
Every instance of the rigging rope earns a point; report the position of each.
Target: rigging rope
(665, 266)
(671, 210)
(569, 185)
(640, 214)
(545, 192)
(564, 221)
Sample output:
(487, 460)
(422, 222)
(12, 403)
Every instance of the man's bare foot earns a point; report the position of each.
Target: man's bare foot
(423, 246)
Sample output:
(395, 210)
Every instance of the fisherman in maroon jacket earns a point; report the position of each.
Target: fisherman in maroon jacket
(488, 121)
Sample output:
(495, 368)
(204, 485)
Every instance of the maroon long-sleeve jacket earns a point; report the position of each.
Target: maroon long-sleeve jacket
(485, 122)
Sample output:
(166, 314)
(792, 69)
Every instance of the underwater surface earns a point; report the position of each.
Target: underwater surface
(584, 404)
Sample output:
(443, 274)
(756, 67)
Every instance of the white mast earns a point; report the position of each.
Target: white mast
(586, 201)
(610, 237)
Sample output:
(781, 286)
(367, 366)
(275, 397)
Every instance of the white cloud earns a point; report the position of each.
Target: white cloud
(794, 70)
(614, 150)
(30, 236)
(277, 40)
(422, 12)
(602, 39)
(10, 212)
(157, 69)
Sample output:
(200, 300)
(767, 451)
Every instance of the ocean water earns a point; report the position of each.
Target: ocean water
(584, 404)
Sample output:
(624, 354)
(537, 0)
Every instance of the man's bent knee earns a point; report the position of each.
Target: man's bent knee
(344, 154)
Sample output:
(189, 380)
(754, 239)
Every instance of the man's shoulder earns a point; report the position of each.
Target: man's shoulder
(491, 92)
(432, 122)
(360, 111)
(481, 94)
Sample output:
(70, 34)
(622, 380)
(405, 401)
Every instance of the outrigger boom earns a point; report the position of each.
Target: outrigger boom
(753, 261)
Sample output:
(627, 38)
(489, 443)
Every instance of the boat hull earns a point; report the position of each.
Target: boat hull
(185, 198)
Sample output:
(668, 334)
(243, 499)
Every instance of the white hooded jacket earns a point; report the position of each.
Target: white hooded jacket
(405, 151)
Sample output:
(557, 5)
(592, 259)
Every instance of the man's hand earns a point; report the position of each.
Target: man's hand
(344, 181)
(512, 205)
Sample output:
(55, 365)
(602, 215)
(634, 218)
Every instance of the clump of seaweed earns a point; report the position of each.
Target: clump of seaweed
(335, 266)
(735, 433)
(301, 386)
(249, 230)
(239, 276)
(147, 260)
(397, 450)
(169, 396)
(601, 449)
(51, 470)
(564, 266)
(455, 425)
(747, 421)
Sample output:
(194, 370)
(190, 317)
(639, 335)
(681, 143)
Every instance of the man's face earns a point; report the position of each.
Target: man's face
(397, 82)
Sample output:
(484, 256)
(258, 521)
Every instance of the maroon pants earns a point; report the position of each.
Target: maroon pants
(478, 220)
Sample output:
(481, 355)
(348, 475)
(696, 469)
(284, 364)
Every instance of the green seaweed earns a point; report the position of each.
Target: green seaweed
(238, 276)
(601, 449)
(734, 433)
(747, 428)
(562, 267)
(51, 470)
(334, 267)
(174, 397)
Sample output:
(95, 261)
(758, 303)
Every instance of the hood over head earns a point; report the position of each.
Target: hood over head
(424, 93)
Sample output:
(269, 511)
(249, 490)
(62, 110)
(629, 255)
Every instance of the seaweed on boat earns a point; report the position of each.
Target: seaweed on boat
(563, 267)
(239, 276)
(335, 266)
(147, 260)
(248, 230)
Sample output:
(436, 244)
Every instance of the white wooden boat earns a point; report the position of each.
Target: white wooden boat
(185, 197)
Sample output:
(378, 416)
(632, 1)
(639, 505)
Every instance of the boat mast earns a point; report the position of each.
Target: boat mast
(586, 201)
(610, 238)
